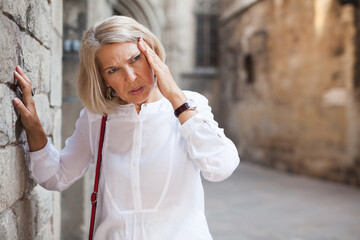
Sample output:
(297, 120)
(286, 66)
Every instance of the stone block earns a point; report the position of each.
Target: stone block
(34, 58)
(56, 71)
(8, 117)
(43, 200)
(57, 15)
(36, 63)
(8, 226)
(43, 111)
(31, 54)
(8, 58)
(25, 212)
(45, 232)
(56, 218)
(33, 213)
(33, 15)
(57, 116)
(13, 175)
(16, 9)
(45, 68)
(39, 18)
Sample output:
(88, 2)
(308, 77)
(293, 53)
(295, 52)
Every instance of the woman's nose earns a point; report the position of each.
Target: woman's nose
(130, 74)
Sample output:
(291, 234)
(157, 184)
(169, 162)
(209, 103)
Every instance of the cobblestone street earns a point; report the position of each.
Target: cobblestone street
(256, 203)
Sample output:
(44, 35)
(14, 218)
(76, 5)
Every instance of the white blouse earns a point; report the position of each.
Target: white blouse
(150, 186)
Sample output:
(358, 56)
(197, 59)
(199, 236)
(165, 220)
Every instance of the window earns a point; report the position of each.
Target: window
(206, 33)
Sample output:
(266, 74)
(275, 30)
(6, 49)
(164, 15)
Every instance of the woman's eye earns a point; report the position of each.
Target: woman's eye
(112, 70)
(136, 58)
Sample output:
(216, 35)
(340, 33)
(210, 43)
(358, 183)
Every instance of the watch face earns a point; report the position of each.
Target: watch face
(190, 104)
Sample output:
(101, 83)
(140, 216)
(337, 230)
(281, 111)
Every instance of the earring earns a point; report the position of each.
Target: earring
(155, 80)
(109, 92)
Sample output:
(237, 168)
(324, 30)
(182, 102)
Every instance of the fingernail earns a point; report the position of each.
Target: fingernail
(16, 100)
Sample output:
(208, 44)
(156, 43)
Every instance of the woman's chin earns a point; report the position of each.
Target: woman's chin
(139, 99)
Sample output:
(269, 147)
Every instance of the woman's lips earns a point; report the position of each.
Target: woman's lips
(137, 91)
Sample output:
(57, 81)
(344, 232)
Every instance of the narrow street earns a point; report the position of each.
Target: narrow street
(257, 203)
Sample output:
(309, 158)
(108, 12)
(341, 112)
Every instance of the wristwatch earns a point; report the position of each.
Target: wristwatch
(188, 104)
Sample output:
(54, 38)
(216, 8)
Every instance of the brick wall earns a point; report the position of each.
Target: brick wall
(31, 36)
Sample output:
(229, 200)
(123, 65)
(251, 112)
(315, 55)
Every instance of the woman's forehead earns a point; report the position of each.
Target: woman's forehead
(117, 52)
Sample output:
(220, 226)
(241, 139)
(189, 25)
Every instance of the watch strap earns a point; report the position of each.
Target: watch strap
(185, 106)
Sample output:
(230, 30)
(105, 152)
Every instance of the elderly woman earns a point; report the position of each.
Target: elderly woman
(157, 138)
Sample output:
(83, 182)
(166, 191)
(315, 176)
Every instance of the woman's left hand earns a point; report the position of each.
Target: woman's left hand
(165, 81)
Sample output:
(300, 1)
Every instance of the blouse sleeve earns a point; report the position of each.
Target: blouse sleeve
(56, 170)
(213, 153)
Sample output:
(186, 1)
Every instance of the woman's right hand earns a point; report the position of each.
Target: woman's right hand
(34, 131)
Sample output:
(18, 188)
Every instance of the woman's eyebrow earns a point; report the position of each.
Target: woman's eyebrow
(108, 68)
(133, 56)
(128, 60)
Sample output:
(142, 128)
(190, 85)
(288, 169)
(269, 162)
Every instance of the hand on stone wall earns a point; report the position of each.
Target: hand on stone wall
(34, 131)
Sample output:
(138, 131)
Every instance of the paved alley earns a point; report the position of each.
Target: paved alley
(257, 203)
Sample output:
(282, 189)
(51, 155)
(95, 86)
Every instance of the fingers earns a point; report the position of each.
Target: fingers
(19, 70)
(142, 45)
(23, 111)
(24, 83)
(153, 59)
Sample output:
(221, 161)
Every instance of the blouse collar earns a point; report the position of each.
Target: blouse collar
(128, 110)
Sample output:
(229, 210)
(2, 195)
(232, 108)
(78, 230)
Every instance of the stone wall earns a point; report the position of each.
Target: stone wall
(31, 36)
(287, 70)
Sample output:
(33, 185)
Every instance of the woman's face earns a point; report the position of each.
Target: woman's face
(127, 71)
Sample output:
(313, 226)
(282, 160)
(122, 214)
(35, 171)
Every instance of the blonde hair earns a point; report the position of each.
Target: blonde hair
(91, 88)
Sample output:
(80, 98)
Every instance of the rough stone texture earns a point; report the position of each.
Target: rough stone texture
(44, 203)
(31, 56)
(10, 34)
(39, 21)
(8, 116)
(287, 70)
(43, 111)
(13, 176)
(56, 71)
(26, 39)
(27, 52)
(8, 226)
(56, 219)
(57, 16)
(34, 16)
(44, 71)
(45, 232)
(16, 10)
(33, 213)
(57, 116)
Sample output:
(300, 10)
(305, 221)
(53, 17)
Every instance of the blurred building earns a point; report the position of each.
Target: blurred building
(290, 84)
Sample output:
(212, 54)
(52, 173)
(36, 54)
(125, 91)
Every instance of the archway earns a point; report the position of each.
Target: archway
(142, 11)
